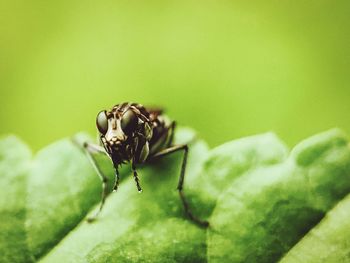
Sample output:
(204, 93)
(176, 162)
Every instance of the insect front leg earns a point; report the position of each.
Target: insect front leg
(116, 182)
(90, 149)
(183, 148)
(133, 167)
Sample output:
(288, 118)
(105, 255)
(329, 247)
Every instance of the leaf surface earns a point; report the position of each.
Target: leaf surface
(260, 201)
(327, 242)
(14, 163)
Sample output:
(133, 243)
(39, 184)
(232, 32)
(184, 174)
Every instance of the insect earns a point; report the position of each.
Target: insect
(131, 133)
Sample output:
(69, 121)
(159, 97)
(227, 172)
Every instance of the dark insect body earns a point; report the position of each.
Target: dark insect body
(129, 132)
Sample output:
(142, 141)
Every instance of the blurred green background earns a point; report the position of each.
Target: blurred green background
(226, 68)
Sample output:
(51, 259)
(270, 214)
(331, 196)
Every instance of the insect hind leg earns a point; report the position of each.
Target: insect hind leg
(184, 148)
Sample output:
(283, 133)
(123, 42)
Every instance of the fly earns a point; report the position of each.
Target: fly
(131, 133)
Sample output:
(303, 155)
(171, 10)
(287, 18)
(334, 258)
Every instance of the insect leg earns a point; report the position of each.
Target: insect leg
(133, 167)
(116, 183)
(183, 148)
(90, 149)
(171, 131)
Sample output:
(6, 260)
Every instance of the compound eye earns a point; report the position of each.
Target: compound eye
(129, 121)
(102, 122)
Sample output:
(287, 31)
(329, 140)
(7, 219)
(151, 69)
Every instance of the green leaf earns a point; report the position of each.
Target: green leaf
(61, 189)
(14, 160)
(131, 216)
(62, 186)
(327, 242)
(265, 212)
(260, 202)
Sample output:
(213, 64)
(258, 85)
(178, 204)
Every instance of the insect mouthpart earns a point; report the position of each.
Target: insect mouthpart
(114, 142)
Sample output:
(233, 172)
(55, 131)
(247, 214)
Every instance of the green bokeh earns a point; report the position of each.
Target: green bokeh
(226, 68)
